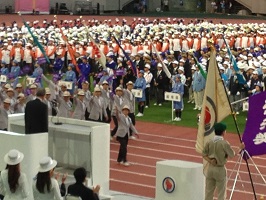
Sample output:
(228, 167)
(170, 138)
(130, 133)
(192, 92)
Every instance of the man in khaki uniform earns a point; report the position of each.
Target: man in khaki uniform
(216, 153)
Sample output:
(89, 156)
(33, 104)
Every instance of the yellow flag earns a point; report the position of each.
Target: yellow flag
(215, 106)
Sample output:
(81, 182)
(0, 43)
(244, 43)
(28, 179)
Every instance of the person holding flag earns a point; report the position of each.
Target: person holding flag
(216, 152)
(85, 69)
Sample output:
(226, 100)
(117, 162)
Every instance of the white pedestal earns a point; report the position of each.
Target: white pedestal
(185, 180)
(33, 146)
(77, 143)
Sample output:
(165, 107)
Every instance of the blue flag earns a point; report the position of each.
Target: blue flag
(240, 77)
(37, 42)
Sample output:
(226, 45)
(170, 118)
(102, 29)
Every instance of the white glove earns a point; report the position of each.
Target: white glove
(228, 92)
(238, 93)
(254, 90)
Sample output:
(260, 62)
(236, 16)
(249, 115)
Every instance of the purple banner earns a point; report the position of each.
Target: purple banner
(254, 135)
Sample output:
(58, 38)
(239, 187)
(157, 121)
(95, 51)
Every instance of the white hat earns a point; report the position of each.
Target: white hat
(130, 83)
(255, 72)
(81, 93)
(46, 164)
(21, 95)
(7, 85)
(241, 65)
(97, 89)
(256, 64)
(109, 54)
(13, 157)
(105, 82)
(10, 90)
(226, 63)
(175, 62)
(66, 94)
(250, 67)
(33, 86)
(19, 85)
(193, 67)
(47, 91)
(147, 66)
(221, 68)
(250, 55)
(159, 65)
(7, 100)
(126, 107)
(118, 89)
(181, 68)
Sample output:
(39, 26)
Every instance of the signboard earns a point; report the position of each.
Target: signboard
(245, 106)
(137, 93)
(170, 96)
(31, 81)
(68, 84)
(3, 78)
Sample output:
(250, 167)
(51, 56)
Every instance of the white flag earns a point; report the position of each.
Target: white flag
(215, 106)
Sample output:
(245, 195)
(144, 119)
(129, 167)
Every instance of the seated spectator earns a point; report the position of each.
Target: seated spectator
(79, 189)
(13, 183)
(45, 186)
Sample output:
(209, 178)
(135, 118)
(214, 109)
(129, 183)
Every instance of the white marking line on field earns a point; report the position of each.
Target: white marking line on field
(131, 183)
(182, 139)
(157, 158)
(167, 137)
(161, 151)
(130, 172)
(175, 153)
(166, 144)
(153, 176)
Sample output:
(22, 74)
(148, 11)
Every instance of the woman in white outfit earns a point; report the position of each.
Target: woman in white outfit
(45, 186)
(13, 183)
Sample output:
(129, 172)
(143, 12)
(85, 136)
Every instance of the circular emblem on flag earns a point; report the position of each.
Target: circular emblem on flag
(210, 116)
(168, 184)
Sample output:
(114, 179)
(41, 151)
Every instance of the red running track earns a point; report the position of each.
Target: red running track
(8, 18)
(158, 142)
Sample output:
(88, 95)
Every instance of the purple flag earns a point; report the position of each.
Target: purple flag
(254, 135)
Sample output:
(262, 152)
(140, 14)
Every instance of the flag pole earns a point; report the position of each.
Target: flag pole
(238, 131)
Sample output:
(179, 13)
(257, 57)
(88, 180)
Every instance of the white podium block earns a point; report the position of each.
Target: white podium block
(179, 180)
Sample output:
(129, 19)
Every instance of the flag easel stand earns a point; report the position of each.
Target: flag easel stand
(237, 165)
